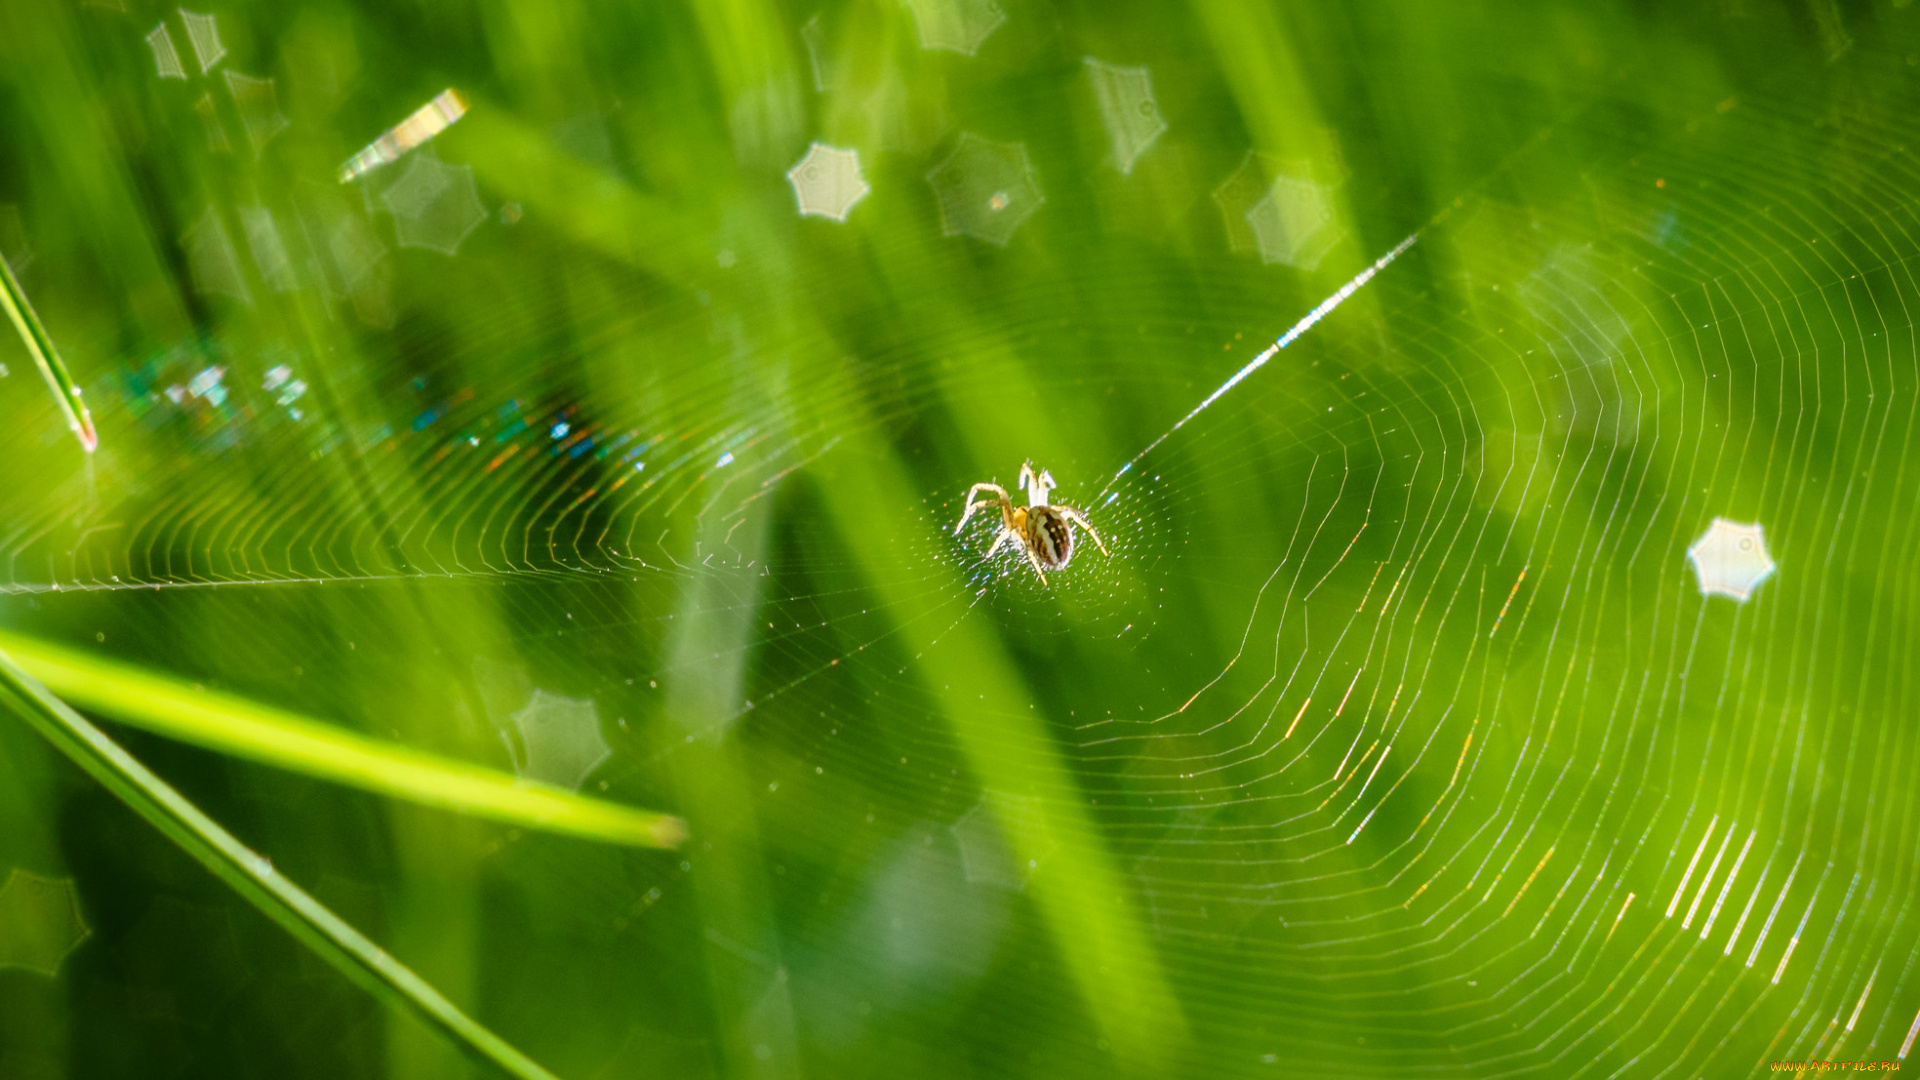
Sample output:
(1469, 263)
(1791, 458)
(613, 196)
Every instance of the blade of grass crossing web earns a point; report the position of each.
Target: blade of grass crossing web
(230, 724)
(250, 874)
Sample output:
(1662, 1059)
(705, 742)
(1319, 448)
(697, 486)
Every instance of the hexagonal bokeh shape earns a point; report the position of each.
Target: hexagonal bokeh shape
(1127, 109)
(1003, 840)
(956, 25)
(986, 189)
(434, 205)
(560, 739)
(259, 108)
(828, 182)
(203, 33)
(40, 922)
(166, 58)
(1280, 209)
(212, 258)
(1293, 223)
(1731, 559)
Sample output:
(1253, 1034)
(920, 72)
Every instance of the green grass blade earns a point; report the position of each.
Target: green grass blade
(247, 729)
(1103, 941)
(250, 874)
(39, 343)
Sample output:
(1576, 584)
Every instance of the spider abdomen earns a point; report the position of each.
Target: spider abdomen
(1052, 537)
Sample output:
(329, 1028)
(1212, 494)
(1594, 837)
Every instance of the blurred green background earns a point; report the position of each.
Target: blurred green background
(610, 443)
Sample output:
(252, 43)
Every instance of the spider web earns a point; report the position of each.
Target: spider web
(1397, 711)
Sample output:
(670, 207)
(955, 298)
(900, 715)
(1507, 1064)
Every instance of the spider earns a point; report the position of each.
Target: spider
(1044, 532)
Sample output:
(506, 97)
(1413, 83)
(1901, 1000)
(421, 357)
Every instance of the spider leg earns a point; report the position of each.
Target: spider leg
(1002, 502)
(1035, 560)
(1080, 519)
(1002, 537)
(1036, 483)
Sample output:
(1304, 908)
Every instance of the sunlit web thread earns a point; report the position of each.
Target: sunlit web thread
(1324, 309)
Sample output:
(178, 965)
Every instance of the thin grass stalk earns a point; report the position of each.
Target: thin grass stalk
(46, 356)
(234, 725)
(251, 874)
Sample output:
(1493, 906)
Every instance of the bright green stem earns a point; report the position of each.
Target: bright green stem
(250, 874)
(230, 724)
(39, 343)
